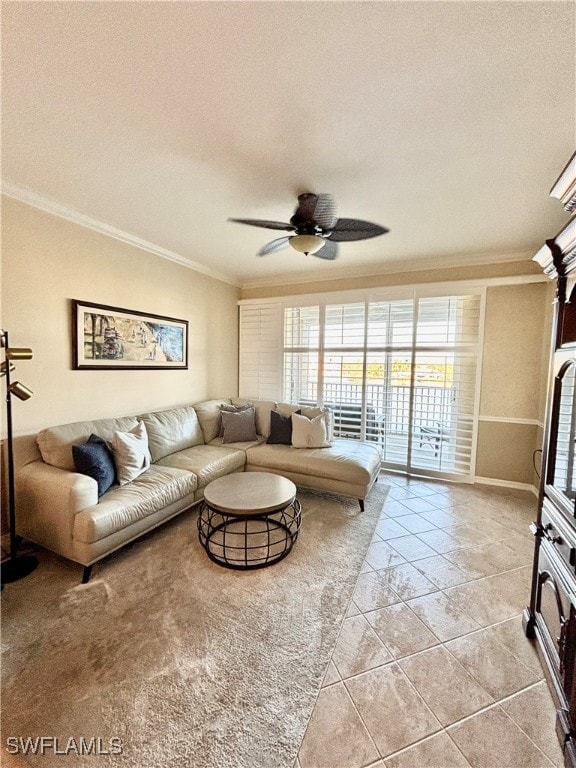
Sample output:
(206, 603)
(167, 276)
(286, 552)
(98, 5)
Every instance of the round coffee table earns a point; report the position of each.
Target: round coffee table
(249, 519)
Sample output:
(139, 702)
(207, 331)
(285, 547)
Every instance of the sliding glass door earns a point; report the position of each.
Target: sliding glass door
(422, 361)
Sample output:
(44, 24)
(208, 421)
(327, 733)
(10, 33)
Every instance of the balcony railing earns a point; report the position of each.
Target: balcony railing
(387, 407)
(440, 439)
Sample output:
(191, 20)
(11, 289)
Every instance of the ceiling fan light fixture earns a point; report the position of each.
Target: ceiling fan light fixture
(307, 243)
(315, 229)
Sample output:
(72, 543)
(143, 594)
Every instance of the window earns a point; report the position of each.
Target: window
(422, 365)
(301, 354)
(399, 371)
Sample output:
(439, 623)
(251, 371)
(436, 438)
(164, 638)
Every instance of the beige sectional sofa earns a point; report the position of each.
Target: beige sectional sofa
(59, 508)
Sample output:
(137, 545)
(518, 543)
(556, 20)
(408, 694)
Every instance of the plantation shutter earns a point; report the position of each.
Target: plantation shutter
(421, 368)
(301, 363)
(343, 370)
(445, 390)
(390, 340)
(260, 351)
(401, 371)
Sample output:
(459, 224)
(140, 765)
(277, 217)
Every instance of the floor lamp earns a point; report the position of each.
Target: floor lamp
(16, 566)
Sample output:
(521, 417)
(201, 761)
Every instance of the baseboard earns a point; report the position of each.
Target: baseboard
(506, 484)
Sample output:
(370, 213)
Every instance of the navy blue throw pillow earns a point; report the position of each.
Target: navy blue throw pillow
(94, 458)
(280, 428)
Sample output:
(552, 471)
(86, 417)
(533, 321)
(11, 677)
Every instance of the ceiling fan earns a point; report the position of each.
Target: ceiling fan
(316, 228)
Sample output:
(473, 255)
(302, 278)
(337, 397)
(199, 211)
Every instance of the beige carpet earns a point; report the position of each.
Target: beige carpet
(188, 663)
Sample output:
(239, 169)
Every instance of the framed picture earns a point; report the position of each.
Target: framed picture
(111, 338)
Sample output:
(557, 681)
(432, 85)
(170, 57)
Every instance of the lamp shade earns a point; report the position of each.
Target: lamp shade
(18, 353)
(20, 390)
(306, 243)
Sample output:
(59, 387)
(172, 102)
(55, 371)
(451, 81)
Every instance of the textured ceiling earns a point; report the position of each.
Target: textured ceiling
(445, 122)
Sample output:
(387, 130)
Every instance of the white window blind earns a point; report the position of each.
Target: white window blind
(260, 351)
(421, 379)
(389, 354)
(344, 370)
(301, 354)
(401, 372)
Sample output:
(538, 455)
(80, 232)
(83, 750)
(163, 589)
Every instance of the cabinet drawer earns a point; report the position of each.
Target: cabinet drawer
(558, 532)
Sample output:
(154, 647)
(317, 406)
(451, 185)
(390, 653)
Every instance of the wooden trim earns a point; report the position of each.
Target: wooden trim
(564, 188)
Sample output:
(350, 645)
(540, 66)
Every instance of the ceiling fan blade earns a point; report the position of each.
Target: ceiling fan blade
(325, 212)
(328, 251)
(265, 224)
(275, 245)
(355, 229)
(305, 211)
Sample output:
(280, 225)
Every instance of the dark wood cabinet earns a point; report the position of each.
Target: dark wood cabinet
(551, 617)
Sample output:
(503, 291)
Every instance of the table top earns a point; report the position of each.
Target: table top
(250, 493)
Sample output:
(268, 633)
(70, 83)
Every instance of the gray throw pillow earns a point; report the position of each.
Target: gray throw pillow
(232, 409)
(239, 427)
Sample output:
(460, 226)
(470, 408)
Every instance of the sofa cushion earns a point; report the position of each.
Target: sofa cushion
(131, 454)
(287, 409)
(232, 409)
(350, 461)
(280, 429)
(94, 458)
(311, 411)
(55, 443)
(207, 462)
(123, 505)
(243, 446)
(239, 427)
(263, 408)
(208, 414)
(172, 430)
(309, 433)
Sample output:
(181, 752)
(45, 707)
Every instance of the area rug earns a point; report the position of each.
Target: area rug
(168, 659)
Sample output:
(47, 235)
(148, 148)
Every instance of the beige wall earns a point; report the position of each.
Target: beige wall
(416, 277)
(46, 262)
(504, 451)
(513, 340)
(514, 381)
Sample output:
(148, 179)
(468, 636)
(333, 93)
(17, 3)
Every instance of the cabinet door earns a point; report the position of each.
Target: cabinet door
(556, 622)
(560, 534)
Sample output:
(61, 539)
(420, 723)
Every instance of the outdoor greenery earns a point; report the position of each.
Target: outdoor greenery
(433, 374)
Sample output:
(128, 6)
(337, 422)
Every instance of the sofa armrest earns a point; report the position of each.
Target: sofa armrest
(47, 500)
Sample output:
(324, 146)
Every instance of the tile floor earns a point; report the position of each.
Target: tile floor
(431, 668)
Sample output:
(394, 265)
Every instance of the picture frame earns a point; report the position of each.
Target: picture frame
(113, 338)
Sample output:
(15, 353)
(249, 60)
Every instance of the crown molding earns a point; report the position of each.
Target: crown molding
(376, 293)
(564, 188)
(47, 204)
(414, 265)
